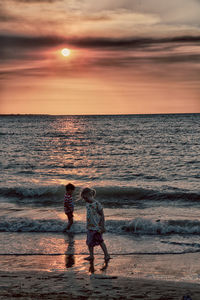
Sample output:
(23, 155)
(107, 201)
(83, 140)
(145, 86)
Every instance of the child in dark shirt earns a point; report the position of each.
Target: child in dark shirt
(68, 204)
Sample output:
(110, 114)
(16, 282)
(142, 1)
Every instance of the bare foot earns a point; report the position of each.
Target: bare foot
(107, 258)
(89, 258)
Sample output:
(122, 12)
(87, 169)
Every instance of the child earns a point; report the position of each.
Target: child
(68, 204)
(95, 224)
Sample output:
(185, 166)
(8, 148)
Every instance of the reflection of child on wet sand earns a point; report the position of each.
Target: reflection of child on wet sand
(95, 224)
(68, 204)
(69, 257)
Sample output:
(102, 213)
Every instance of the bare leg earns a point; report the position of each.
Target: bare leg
(69, 224)
(91, 257)
(104, 248)
(91, 250)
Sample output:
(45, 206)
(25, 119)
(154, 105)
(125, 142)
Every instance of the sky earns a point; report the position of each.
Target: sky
(126, 56)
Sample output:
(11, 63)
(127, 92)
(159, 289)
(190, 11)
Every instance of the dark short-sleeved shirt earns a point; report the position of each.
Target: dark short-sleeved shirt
(68, 203)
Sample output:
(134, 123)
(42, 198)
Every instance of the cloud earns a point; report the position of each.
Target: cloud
(18, 47)
(104, 51)
(177, 11)
(5, 16)
(24, 55)
(105, 17)
(91, 42)
(126, 43)
(29, 41)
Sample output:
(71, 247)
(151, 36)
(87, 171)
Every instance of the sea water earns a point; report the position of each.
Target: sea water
(145, 169)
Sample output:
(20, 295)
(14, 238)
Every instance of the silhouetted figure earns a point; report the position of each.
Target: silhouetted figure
(69, 257)
(69, 204)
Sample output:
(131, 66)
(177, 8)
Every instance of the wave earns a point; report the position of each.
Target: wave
(139, 226)
(109, 196)
(38, 225)
(129, 195)
(39, 195)
(149, 227)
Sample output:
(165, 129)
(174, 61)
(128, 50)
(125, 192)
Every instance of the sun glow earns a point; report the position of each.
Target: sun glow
(65, 52)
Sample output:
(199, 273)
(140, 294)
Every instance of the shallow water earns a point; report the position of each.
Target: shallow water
(144, 168)
(68, 252)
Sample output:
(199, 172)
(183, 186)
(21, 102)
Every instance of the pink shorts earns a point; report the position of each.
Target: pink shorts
(94, 238)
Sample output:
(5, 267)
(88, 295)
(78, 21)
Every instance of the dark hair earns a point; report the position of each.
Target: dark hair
(70, 186)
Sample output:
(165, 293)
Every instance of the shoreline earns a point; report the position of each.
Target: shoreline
(167, 267)
(71, 277)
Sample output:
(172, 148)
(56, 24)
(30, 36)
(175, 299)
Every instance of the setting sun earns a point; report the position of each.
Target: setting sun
(65, 52)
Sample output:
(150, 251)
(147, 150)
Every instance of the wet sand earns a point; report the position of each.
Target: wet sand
(73, 285)
(70, 277)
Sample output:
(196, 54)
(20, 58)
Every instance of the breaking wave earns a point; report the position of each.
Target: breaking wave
(140, 226)
(109, 196)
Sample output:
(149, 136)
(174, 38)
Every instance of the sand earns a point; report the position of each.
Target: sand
(83, 280)
(54, 285)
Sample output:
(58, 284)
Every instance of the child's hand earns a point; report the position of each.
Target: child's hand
(102, 230)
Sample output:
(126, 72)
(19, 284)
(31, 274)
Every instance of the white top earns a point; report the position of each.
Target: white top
(93, 216)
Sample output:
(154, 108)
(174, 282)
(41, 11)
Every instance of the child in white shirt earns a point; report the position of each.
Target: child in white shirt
(95, 224)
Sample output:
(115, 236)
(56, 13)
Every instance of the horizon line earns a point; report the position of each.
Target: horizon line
(101, 114)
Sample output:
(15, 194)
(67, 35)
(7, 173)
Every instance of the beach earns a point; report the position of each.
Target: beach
(33, 285)
(77, 283)
(119, 280)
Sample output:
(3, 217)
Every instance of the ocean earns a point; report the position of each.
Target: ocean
(145, 169)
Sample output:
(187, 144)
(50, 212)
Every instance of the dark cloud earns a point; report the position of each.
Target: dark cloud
(99, 43)
(127, 43)
(115, 53)
(29, 41)
(18, 47)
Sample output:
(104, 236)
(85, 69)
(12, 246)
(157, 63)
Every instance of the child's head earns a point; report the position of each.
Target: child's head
(88, 194)
(70, 188)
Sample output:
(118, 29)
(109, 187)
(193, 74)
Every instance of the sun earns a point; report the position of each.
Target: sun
(65, 52)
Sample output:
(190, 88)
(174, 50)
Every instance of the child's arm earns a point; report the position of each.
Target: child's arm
(102, 220)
